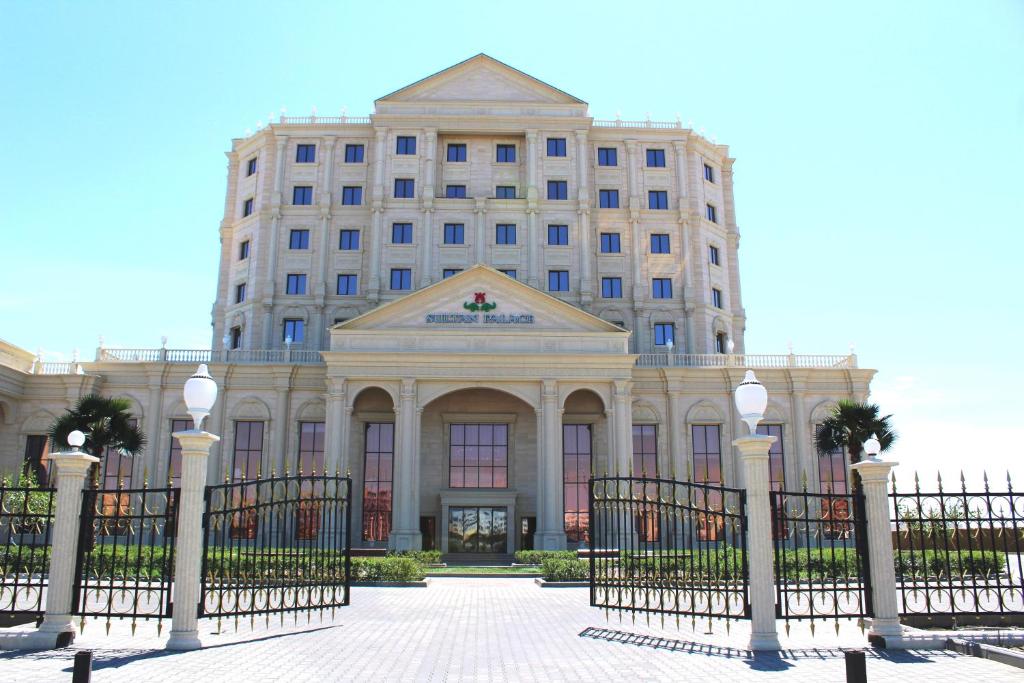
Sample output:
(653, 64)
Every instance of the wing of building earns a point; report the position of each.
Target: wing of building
(471, 299)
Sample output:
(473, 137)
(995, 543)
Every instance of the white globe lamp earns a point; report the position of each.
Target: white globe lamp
(751, 400)
(872, 447)
(200, 395)
(76, 439)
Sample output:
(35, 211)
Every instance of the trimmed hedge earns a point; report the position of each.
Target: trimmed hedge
(391, 568)
(538, 556)
(421, 556)
(565, 569)
(933, 563)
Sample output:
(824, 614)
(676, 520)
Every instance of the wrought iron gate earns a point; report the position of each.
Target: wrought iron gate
(276, 546)
(660, 546)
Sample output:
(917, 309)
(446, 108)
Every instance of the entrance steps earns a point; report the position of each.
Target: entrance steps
(477, 560)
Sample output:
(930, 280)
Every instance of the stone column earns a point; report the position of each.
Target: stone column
(377, 204)
(583, 214)
(532, 194)
(149, 461)
(188, 552)
(613, 449)
(481, 234)
(754, 456)
(405, 534)
(874, 479)
(677, 431)
(336, 429)
(551, 529)
(278, 459)
(623, 413)
(426, 230)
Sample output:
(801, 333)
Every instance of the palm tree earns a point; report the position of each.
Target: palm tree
(106, 423)
(849, 426)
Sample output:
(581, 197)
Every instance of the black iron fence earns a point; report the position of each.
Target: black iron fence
(26, 516)
(959, 554)
(277, 545)
(667, 547)
(125, 559)
(821, 560)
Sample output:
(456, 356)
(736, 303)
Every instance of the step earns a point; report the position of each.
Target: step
(477, 560)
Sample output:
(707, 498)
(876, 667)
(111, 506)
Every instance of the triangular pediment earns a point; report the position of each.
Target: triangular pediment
(480, 79)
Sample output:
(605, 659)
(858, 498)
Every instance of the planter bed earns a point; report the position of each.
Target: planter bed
(561, 584)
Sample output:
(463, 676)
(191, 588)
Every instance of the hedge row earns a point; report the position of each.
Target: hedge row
(390, 568)
(538, 556)
(565, 569)
(421, 556)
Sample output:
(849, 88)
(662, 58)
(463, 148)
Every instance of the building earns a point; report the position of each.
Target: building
(471, 300)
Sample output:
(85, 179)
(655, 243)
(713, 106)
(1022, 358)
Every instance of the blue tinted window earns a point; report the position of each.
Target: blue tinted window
(250, 166)
(709, 174)
(456, 152)
(558, 235)
(401, 278)
(611, 287)
(506, 234)
(661, 288)
(712, 214)
(506, 154)
(608, 199)
(607, 156)
(305, 154)
(660, 244)
(610, 243)
(348, 285)
(657, 199)
(243, 250)
(298, 239)
(455, 191)
(716, 298)
(448, 272)
(295, 284)
(454, 233)
(401, 233)
(558, 280)
(656, 158)
(294, 330)
(664, 333)
(353, 154)
(405, 188)
(349, 240)
(240, 293)
(558, 189)
(713, 254)
(510, 272)
(505, 192)
(556, 147)
(406, 144)
(302, 195)
(351, 196)
(247, 207)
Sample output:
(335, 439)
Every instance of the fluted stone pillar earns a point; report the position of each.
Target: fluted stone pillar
(623, 414)
(677, 445)
(405, 531)
(551, 529)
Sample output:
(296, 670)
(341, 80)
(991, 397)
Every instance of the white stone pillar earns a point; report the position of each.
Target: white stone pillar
(427, 248)
(336, 429)
(188, 551)
(533, 234)
(874, 479)
(623, 413)
(551, 528)
(583, 213)
(754, 457)
(481, 225)
(677, 431)
(405, 533)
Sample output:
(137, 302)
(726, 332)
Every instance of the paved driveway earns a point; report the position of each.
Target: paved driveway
(486, 630)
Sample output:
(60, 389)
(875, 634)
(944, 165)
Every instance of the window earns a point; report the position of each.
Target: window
(656, 158)
(239, 293)
(295, 284)
(456, 152)
(716, 297)
(348, 284)
(660, 244)
(349, 240)
(250, 167)
(576, 467)
(607, 156)
(556, 147)
(610, 243)
(298, 239)
(311, 448)
(455, 191)
(174, 457)
(611, 287)
(506, 154)
(351, 196)
(401, 233)
(511, 272)
(832, 471)
(657, 199)
(305, 154)
(454, 233)
(558, 281)
(235, 338)
(294, 329)
(245, 466)
(661, 288)
(302, 195)
(379, 455)
(709, 174)
(353, 154)
(37, 453)
(776, 460)
(505, 192)
(711, 213)
(707, 469)
(558, 189)
(558, 235)
(406, 144)
(243, 250)
(401, 279)
(664, 333)
(608, 199)
(405, 188)
(505, 233)
(448, 272)
(645, 464)
(721, 343)
(247, 207)
(713, 254)
(478, 456)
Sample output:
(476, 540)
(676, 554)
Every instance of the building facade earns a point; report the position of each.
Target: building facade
(472, 300)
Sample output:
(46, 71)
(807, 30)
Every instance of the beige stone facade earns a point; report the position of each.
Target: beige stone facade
(477, 353)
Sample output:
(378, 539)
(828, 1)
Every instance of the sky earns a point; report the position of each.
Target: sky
(878, 175)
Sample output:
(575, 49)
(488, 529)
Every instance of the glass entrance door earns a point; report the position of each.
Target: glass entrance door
(477, 530)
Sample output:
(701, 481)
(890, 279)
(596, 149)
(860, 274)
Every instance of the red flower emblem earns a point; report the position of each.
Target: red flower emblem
(480, 298)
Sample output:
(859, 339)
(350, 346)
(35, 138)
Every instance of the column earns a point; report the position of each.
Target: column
(623, 413)
(271, 249)
(427, 230)
(801, 435)
(278, 459)
(532, 195)
(322, 285)
(677, 431)
(377, 204)
(481, 221)
(613, 448)
(336, 429)
(550, 526)
(405, 532)
(150, 460)
(754, 456)
(583, 213)
(874, 479)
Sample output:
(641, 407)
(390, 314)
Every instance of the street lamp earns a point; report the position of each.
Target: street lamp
(200, 395)
(751, 400)
(76, 439)
(873, 447)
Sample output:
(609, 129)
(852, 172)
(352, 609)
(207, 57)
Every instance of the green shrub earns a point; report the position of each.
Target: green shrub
(421, 556)
(392, 568)
(565, 569)
(938, 563)
(538, 556)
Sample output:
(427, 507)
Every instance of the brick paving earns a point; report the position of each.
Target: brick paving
(484, 630)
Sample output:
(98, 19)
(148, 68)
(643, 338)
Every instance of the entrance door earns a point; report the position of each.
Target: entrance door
(477, 530)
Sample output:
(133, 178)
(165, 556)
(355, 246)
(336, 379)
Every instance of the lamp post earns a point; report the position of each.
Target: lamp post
(200, 393)
(751, 400)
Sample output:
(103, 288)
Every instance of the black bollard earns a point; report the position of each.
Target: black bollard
(856, 667)
(83, 667)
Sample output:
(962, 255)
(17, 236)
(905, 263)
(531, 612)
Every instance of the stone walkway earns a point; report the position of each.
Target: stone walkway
(484, 630)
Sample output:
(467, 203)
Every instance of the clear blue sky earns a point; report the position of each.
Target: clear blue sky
(878, 176)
